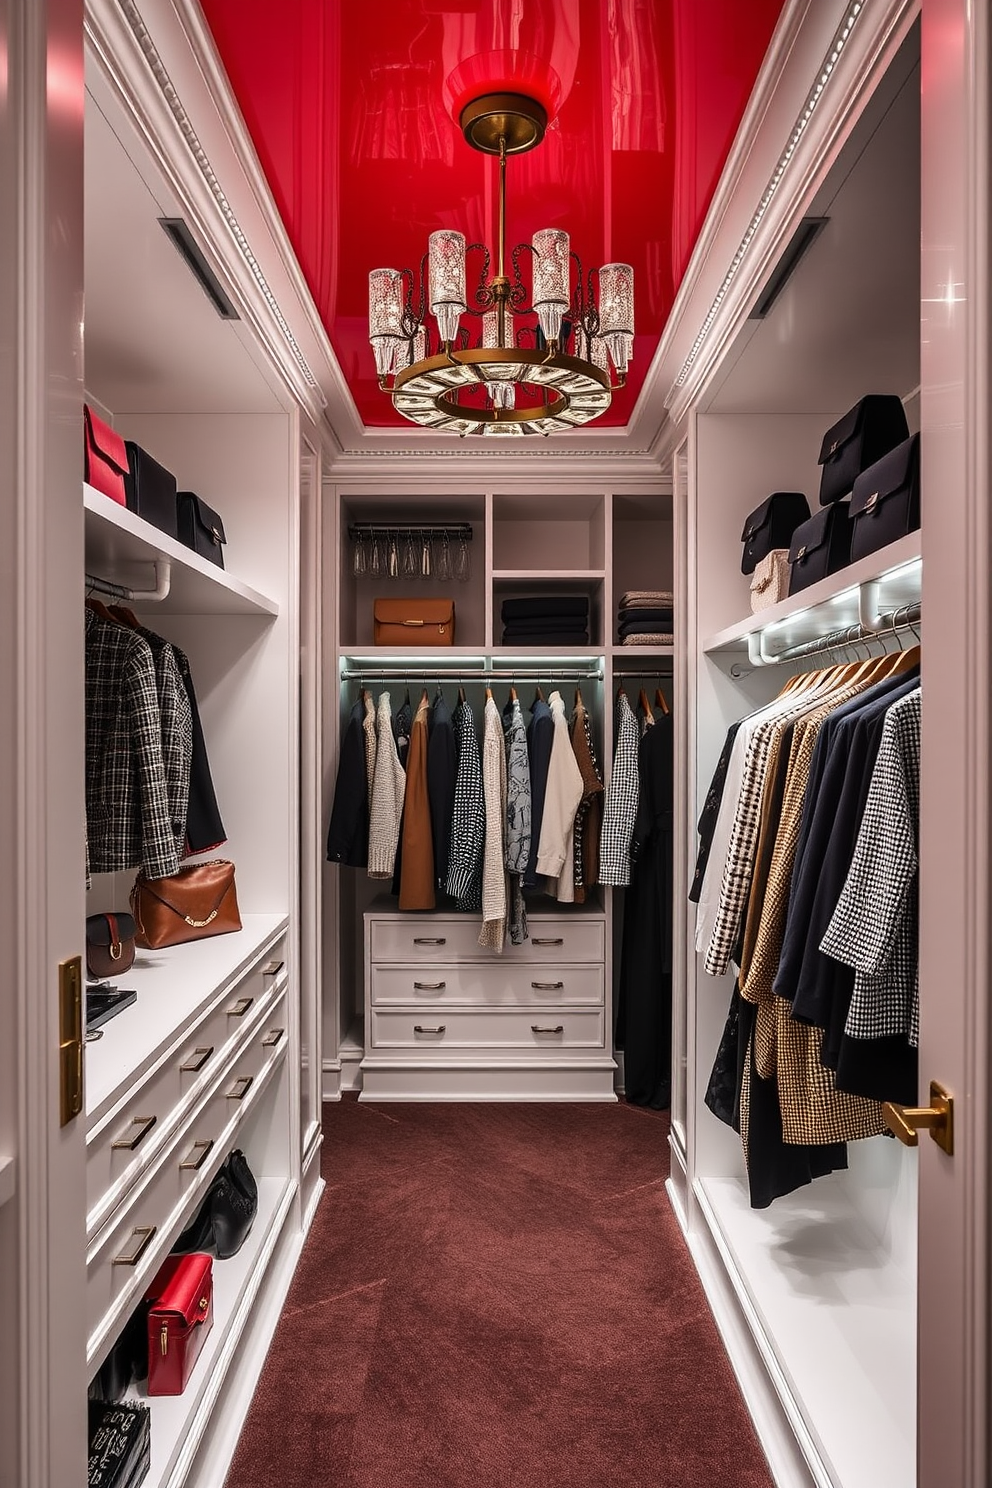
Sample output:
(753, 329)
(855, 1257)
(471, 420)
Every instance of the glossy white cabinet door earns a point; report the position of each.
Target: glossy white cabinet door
(955, 826)
(42, 1246)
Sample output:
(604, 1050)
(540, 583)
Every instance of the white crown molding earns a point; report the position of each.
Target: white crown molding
(152, 77)
(819, 91)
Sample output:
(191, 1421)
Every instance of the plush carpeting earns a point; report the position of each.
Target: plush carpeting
(496, 1296)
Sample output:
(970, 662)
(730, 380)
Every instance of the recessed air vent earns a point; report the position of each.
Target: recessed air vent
(802, 239)
(189, 250)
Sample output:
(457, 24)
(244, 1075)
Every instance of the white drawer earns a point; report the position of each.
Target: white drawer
(433, 939)
(119, 1151)
(532, 1029)
(506, 985)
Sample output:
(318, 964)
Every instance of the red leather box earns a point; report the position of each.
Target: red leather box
(180, 1315)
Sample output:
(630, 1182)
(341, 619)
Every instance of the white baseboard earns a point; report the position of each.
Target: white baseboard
(385, 1078)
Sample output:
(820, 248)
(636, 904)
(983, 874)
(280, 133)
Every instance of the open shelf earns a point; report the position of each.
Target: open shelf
(838, 1316)
(648, 653)
(173, 986)
(236, 1283)
(832, 604)
(534, 579)
(121, 547)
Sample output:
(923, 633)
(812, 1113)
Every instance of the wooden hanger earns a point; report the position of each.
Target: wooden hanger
(660, 702)
(644, 704)
(513, 693)
(578, 699)
(538, 694)
(461, 694)
(99, 608)
(489, 694)
(125, 616)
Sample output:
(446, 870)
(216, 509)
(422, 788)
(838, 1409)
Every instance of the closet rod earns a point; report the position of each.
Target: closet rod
(436, 529)
(655, 671)
(104, 586)
(528, 672)
(163, 583)
(899, 620)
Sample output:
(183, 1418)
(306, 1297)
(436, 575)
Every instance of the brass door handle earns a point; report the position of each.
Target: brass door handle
(905, 1122)
(140, 1127)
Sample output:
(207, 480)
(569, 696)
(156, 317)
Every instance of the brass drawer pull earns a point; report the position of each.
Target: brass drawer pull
(197, 1060)
(547, 940)
(547, 986)
(417, 1028)
(193, 1163)
(536, 1028)
(429, 986)
(241, 1087)
(430, 940)
(240, 1007)
(273, 968)
(144, 1235)
(128, 1144)
(272, 1038)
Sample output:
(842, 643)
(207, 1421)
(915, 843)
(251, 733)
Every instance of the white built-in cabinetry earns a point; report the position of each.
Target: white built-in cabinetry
(527, 539)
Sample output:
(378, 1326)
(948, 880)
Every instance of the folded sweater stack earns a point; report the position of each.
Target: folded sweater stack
(546, 620)
(645, 617)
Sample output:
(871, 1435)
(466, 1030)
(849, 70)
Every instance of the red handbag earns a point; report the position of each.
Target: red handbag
(105, 457)
(180, 1315)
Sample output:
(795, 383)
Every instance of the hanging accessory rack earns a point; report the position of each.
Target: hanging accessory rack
(411, 550)
(163, 584)
(881, 626)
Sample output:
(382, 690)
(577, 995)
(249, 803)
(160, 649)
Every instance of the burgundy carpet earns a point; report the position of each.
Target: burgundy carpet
(496, 1296)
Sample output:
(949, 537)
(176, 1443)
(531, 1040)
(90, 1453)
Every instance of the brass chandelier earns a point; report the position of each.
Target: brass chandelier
(580, 343)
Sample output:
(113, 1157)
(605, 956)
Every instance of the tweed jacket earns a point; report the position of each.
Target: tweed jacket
(589, 817)
(387, 796)
(875, 927)
(177, 731)
(494, 896)
(128, 816)
(622, 793)
(468, 824)
(517, 789)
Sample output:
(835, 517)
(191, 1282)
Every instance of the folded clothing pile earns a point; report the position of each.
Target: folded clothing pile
(546, 620)
(645, 617)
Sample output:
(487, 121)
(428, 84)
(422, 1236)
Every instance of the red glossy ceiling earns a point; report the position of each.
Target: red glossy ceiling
(346, 105)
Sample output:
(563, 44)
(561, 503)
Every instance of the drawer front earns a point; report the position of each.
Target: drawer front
(562, 938)
(505, 985)
(119, 1152)
(535, 1029)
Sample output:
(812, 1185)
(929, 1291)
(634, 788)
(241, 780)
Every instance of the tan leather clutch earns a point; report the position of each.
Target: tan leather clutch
(414, 622)
(197, 901)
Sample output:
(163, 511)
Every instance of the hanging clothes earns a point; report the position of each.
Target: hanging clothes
(348, 831)
(518, 814)
(128, 815)
(494, 895)
(710, 812)
(416, 888)
(468, 825)
(387, 796)
(442, 769)
(540, 738)
(561, 801)
(644, 1008)
(589, 817)
(368, 730)
(402, 724)
(620, 809)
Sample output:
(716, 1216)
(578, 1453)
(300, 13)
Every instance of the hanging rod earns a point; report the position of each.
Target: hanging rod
(654, 671)
(163, 584)
(893, 623)
(469, 674)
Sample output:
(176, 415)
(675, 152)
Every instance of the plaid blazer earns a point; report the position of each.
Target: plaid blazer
(622, 796)
(128, 811)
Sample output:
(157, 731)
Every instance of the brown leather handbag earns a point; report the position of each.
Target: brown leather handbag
(414, 622)
(197, 901)
(109, 945)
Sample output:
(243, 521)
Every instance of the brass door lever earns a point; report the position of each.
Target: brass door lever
(905, 1122)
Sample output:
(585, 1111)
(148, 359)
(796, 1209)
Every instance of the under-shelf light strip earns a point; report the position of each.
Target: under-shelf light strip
(841, 37)
(904, 618)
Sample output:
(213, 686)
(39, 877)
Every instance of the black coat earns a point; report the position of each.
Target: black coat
(348, 833)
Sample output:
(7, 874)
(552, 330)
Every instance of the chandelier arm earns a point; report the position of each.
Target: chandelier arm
(483, 293)
(518, 291)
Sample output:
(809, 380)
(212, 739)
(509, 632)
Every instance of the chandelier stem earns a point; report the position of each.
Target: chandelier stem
(502, 205)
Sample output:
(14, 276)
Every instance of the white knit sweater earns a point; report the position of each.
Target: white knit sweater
(561, 801)
(493, 931)
(388, 786)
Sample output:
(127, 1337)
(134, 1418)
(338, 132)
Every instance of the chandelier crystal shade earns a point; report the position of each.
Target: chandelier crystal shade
(509, 361)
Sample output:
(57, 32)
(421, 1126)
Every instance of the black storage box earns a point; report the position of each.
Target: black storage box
(875, 425)
(151, 489)
(886, 501)
(200, 528)
(771, 526)
(820, 547)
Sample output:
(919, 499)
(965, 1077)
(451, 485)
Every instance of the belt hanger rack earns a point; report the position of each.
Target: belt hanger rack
(163, 583)
(905, 618)
(436, 529)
